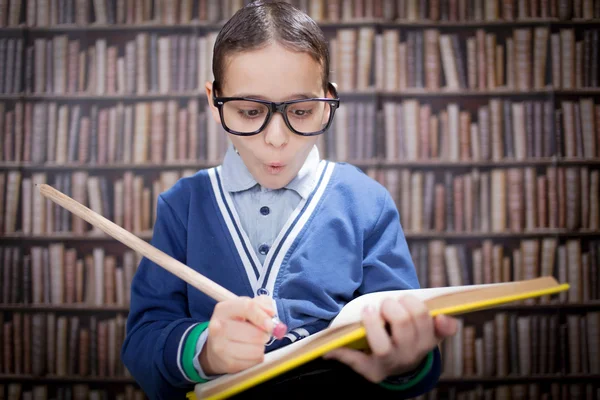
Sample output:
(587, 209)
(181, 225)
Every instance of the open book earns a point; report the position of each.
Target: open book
(346, 329)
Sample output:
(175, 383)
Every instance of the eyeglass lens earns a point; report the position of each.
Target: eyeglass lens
(246, 116)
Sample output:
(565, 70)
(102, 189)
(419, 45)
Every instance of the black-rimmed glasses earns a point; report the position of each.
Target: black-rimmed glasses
(246, 116)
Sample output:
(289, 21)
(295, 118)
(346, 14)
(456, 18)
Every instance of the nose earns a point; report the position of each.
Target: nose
(276, 132)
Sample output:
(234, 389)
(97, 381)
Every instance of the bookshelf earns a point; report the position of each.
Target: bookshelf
(482, 118)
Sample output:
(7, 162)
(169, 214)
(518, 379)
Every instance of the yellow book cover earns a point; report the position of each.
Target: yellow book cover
(346, 329)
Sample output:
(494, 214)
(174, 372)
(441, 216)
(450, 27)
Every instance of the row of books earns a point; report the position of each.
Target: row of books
(510, 199)
(121, 12)
(168, 132)
(42, 344)
(511, 344)
(144, 132)
(440, 263)
(494, 130)
(500, 200)
(25, 391)
(147, 63)
(57, 274)
(129, 201)
(517, 391)
(520, 59)
(60, 274)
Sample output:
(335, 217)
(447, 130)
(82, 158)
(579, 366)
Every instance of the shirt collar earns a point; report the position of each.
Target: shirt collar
(237, 178)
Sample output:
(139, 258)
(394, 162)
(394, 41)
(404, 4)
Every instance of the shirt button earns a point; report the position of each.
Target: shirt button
(262, 291)
(265, 210)
(263, 249)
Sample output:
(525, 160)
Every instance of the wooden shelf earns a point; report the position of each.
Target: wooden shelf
(504, 92)
(6, 30)
(105, 167)
(465, 379)
(14, 96)
(563, 233)
(500, 235)
(442, 92)
(484, 24)
(111, 308)
(111, 28)
(197, 165)
(68, 236)
(443, 380)
(376, 23)
(66, 379)
(384, 94)
(433, 163)
(103, 97)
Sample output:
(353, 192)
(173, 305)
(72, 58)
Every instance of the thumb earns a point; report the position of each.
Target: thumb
(215, 327)
(445, 326)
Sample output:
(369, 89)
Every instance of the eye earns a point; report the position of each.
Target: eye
(250, 113)
(299, 112)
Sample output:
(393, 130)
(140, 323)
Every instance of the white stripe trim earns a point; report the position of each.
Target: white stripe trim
(298, 226)
(278, 239)
(234, 236)
(245, 237)
(301, 331)
(292, 338)
(284, 229)
(179, 353)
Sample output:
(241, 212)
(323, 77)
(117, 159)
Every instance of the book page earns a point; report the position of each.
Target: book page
(352, 311)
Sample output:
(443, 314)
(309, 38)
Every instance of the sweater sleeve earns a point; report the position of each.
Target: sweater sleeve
(160, 332)
(388, 265)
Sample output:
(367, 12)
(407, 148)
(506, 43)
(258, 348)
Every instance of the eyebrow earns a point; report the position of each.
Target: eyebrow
(295, 96)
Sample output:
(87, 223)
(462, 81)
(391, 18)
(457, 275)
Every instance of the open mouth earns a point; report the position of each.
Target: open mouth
(274, 168)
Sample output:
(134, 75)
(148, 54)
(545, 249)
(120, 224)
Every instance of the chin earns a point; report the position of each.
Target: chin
(274, 182)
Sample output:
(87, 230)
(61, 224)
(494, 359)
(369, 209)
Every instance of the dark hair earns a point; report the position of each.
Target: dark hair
(259, 23)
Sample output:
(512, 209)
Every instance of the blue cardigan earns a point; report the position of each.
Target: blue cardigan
(344, 240)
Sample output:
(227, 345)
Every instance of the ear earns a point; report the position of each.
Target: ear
(214, 110)
(332, 92)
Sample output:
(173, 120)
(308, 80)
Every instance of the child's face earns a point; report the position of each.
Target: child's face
(275, 155)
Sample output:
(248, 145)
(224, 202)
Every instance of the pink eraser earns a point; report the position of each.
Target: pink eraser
(279, 330)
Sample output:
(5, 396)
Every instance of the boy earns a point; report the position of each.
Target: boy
(291, 234)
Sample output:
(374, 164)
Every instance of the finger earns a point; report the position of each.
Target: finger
(445, 326)
(360, 362)
(246, 309)
(422, 321)
(244, 332)
(377, 337)
(400, 322)
(266, 303)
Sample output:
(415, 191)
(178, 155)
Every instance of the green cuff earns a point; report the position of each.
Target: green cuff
(189, 351)
(414, 378)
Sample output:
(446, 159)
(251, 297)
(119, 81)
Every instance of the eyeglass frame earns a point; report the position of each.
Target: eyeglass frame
(274, 107)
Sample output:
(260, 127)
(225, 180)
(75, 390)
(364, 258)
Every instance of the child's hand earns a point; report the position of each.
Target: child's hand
(235, 341)
(413, 334)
